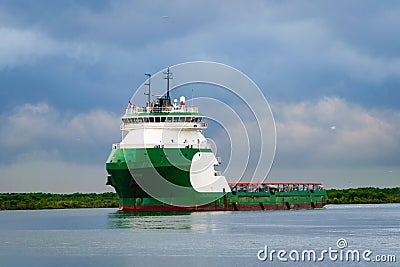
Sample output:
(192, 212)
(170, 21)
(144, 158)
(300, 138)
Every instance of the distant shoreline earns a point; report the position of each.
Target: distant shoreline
(37, 201)
(365, 195)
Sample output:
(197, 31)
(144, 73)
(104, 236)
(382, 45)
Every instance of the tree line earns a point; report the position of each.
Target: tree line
(366, 195)
(33, 201)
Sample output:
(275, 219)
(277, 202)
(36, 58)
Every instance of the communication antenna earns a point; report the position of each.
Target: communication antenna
(148, 84)
(167, 76)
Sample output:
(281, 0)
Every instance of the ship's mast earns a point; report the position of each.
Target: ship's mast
(167, 76)
(148, 84)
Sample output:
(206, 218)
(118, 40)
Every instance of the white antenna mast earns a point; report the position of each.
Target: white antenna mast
(148, 84)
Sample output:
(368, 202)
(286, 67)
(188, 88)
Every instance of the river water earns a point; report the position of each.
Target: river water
(107, 237)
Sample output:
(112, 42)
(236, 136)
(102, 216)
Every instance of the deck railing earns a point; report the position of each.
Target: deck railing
(171, 109)
(274, 186)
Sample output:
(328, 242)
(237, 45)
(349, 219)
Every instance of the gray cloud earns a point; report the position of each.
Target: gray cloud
(33, 129)
(325, 49)
(48, 150)
(334, 132)
(22, 47)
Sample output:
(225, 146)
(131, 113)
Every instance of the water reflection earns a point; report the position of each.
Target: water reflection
(199, 222)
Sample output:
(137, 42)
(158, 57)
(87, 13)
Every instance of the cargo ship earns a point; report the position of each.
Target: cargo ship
(165, 163)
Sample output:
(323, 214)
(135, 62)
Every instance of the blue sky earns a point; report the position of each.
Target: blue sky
(330, 70)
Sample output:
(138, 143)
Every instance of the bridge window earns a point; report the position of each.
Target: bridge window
(176, 119)
(146, 119)
(151, 119)
(182, 119)
(162, 119)
(169, 119)
(157, 119)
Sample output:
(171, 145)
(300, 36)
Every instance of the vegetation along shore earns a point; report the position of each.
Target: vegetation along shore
(33, 201)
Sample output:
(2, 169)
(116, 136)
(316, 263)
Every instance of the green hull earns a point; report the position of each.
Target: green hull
(242, 201)
(122, 164)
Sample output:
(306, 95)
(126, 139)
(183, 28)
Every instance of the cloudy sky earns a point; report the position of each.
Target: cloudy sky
(330, 70)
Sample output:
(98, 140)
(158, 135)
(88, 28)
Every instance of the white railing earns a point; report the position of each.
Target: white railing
(166, 145)
(169, 125)
(174, 109)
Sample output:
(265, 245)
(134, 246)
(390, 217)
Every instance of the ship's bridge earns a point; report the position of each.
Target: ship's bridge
(179, 117)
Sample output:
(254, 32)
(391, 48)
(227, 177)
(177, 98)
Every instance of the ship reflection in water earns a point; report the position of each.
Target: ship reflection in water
(198, 222)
